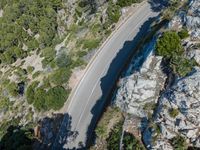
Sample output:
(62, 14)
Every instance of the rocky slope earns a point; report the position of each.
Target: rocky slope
(178, 107)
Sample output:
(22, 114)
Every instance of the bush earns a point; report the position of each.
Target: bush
(169, 45)
(49, 54)
(179, 143)
(183, 34)
(60, 76)
(90, 43)
(113, 12)
(173, 112)
(131, 143)
(12, 89)
(43, 99)
(100, 130)
(30, 92)
(56, 97)
(4, 103)
(36, 74)
(63, 60)
(113, 140)
(124, 3)
(182, 66)
(40, 99)
(30, 69)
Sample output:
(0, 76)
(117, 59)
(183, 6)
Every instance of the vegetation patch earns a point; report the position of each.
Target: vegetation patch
(131, 143)
(39, 17)
(183, 33)
(169, 46)
(113, 141)
(179, 143)
(123, 3)
(43, 100)
(24, 139)
(113, 12)
(107, 121)
(173, 112)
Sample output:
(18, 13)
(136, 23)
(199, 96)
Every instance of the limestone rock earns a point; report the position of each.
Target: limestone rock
(184, 97)
(142, 86)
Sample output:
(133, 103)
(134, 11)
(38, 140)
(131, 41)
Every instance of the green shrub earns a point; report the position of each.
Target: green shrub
(90, 43)
(49, 54)
(179, 143)
(113, 140)
(131, 143)
(169, 45)
(56, 97)
(60, 76)
(63, 60)
(173, 112)
(124, 3)
(12, 89)
(30, 69)
(100, 130)
(113, 12)
(36, 74)
(182, 66)
(20, 72)
(30, 92)
(40, 99)
(43, 99)
(4, 103)
(183, 34)
(82, 53)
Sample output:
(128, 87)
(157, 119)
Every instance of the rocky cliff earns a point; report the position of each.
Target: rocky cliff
(176, 109)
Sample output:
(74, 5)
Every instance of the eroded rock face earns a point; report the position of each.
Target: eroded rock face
(193, 18)
(178, 112)
(190, 19)
(184, 97)
(141, 87)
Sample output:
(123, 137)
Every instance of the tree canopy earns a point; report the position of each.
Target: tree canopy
(22, 20)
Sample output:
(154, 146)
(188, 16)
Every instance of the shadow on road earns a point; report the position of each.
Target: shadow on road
(108, 82)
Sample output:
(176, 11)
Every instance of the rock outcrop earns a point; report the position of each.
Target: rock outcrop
(178, 112)
(143, 85)
(192, 19)
(189, 19)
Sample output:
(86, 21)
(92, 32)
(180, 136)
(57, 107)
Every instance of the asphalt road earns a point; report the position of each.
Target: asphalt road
(86, 102)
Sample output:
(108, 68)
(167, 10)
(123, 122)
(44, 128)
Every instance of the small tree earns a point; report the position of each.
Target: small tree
(173, 112)
(183, 34)
(169, 45)
(179, 143)
(56, 97)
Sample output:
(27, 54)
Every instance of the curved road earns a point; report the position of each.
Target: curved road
(86, 102)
